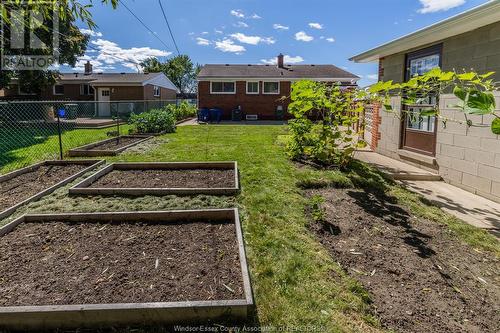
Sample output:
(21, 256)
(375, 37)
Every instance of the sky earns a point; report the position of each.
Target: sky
(256, 31)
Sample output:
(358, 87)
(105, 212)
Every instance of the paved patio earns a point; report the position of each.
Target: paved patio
(469, 207)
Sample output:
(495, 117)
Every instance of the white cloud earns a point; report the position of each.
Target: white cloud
(255, 17)
(330, 40)
(237, 13)
(110, 54)
(202, 41)
(432, 6)
(97, 66)
(252, 40)
(241, 24)
(218, 31)
(91, 33)
(277, 26)
(288, 60)
(204, 33)
(316, 25)
(302, 36)
(227, 45)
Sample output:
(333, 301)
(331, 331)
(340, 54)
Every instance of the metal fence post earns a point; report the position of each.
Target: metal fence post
(60, 135)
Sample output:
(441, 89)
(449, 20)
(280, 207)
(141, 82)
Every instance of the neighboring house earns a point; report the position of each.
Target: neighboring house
(466, 157)
(260, 90)
(89, 86)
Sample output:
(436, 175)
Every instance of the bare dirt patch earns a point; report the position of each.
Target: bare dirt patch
(191, 178)
(116, 143)
(26, 185)
(420, 277)
(53, 263)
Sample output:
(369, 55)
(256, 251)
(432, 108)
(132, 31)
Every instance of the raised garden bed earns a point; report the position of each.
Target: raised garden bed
(162, 178)
(31, 183)
(419, 277)
(123, 268)
(109, 147)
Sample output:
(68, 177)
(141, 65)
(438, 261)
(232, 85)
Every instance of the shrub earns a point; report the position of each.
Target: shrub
(182, 111)
(153, 121)
(332, 140)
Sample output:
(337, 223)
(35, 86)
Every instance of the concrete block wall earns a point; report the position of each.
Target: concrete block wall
(468, 157)
(389, 129)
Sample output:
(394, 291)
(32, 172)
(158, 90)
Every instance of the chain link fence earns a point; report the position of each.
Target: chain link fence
(38, 130)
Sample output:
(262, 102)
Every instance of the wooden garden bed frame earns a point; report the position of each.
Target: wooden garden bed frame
(84, 151)
(83, 188)
(121, 314)
(91, 163)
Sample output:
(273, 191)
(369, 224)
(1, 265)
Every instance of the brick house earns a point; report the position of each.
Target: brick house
(260, 90)
(101, 87)
(465, 157)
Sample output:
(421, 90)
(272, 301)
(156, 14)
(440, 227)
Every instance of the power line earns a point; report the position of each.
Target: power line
(168, 25)
(144, 24)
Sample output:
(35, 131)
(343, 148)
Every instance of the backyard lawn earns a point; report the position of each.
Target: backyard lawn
(296, 278)
(24, 146)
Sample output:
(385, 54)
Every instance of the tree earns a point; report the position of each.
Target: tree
(179, 69)
(72, 43)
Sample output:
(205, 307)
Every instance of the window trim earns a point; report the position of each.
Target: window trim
(270, 93)
(223, 92)
(428, 51)
(155, 88)
(251, 92)
(54, 90)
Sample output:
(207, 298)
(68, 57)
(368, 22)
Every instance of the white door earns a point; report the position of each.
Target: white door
(103, 96)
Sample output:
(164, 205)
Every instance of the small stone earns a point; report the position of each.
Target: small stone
(86, 258)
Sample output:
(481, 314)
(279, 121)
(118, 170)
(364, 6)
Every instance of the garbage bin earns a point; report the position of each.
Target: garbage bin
(71, 111)
(204, 115)
(215, 115)
(237, 114)
(280, 113)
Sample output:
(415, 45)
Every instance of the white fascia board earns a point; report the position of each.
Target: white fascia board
(161, 80)
(475, 18)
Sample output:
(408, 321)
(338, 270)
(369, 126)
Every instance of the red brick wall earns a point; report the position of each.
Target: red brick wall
(376, 121)
(71, 92)
(260, 104)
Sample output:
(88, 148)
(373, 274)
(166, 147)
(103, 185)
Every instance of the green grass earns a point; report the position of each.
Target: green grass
(296, 283)
(24, 146)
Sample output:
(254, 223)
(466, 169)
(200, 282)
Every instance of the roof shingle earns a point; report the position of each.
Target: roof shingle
(274, 72)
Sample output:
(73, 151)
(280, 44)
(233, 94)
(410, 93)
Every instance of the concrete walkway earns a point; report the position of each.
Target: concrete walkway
(395, 169)
(468, 207)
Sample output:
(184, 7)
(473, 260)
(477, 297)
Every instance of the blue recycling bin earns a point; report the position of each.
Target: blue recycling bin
(215, 115)
(204, 115)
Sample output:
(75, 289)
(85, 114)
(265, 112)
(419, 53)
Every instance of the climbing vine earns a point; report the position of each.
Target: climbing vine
(474, 91)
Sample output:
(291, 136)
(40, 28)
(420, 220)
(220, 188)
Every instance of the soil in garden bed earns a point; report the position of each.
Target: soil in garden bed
(116, 143)
(190, 178)
(420, 278)
(46, 263)
(26, 185)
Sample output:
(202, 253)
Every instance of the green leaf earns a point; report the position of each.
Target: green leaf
(428, 112)
(495, 126)
(480, 102)
(388, 107)
(487, 75)
(467, 76)
(460, 93)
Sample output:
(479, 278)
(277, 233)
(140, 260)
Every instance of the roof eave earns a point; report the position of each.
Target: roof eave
(472, 19)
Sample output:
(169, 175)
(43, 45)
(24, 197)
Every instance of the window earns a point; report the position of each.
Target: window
(419, 63)
(104, 93)
(58, 89)
(222, 87)
(252, 88)
(86, 89)
(156, 91)
(271, 87)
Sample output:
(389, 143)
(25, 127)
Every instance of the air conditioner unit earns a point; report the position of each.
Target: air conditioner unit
(252, 117)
